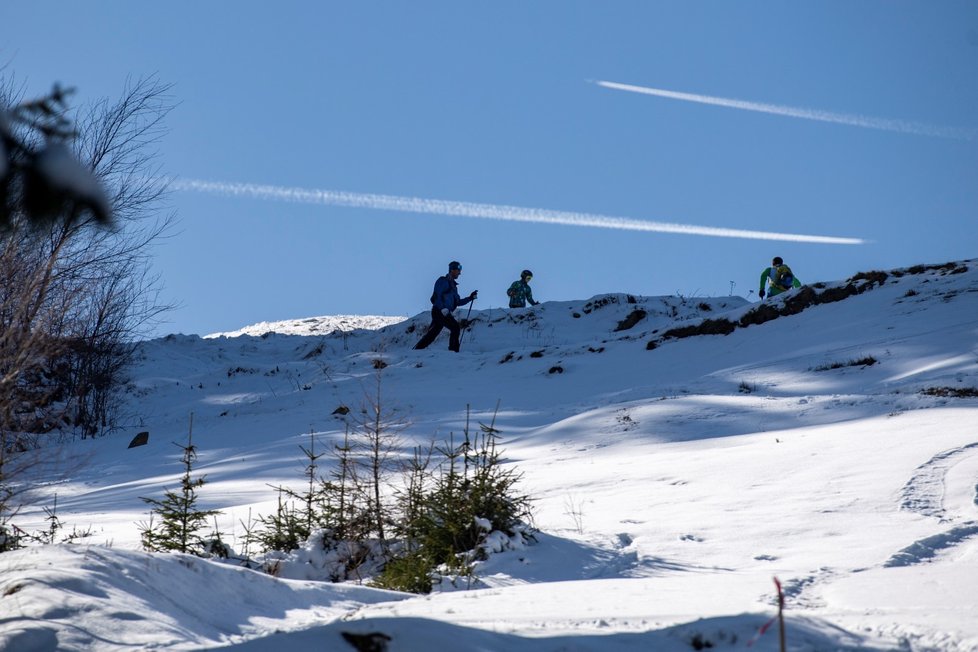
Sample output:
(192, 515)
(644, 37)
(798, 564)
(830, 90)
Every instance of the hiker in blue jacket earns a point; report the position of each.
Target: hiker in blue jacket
(444, 301)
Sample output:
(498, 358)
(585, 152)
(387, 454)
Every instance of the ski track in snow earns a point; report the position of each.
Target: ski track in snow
(798, 591)
(924, 493)
(926, 549)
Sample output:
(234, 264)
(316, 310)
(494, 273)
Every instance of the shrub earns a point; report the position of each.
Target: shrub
(866, 361)
(458, 504)
(447, 514)
(410, 572)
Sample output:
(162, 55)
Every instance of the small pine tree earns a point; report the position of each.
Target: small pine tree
(9, 538)
(285, 530)
(10, 535)
(490, 487)
(180, 520)
(54, 524)
(323, 505)
(289, 526)
(376, 444)
(349, 494)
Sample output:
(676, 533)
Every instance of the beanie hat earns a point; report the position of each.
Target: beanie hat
(454, 265)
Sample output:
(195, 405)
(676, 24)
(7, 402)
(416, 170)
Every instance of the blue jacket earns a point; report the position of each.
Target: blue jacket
(445, 294)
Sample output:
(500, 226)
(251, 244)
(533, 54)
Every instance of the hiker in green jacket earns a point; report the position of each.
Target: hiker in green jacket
(777, 279)
(519, 292)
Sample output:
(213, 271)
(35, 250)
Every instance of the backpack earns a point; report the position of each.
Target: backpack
(782, 277)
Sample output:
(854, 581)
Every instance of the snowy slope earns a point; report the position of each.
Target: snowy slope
(674, 476)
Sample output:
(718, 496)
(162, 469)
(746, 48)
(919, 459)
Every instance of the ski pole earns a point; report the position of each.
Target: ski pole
(466, 321)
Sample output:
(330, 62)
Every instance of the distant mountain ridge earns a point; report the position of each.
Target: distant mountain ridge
(323, 325)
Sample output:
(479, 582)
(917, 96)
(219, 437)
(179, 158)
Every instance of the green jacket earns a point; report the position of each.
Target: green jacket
(519, 294)
(769, 285)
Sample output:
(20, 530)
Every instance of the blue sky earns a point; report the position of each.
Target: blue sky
(496, 104)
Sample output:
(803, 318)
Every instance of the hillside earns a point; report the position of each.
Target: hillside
(826, 437)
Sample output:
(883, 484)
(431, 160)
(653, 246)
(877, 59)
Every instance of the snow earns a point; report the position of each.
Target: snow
(670, 485)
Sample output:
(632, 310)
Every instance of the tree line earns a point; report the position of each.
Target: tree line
(82, 200)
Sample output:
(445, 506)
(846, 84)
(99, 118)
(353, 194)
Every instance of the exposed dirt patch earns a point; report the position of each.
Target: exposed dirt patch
(797, 302)
(946, 268)
(705, 327)
(591, 306)
(956, 392)
(633, 318)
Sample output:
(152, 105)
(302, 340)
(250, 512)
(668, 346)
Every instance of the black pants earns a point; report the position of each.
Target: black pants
(438, 322)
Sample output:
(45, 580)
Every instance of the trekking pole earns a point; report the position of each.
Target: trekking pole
(466, 321)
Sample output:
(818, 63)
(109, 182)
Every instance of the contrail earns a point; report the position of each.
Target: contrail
(902, 126)
(484, 211)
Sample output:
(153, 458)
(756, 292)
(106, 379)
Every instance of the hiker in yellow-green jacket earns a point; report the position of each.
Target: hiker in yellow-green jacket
(777, 279)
